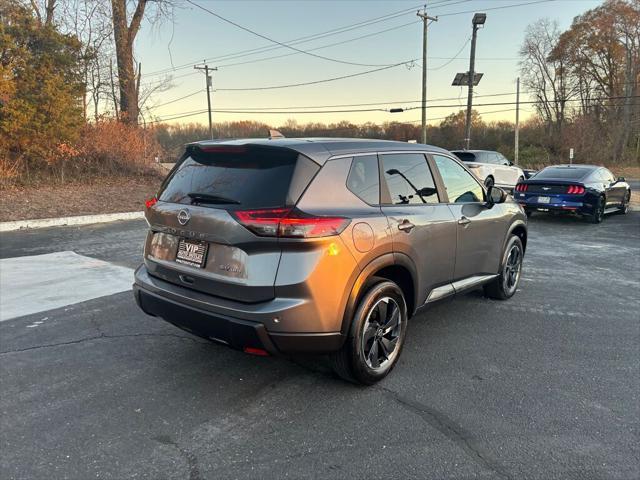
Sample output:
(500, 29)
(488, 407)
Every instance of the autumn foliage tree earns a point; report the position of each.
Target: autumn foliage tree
(41, 91)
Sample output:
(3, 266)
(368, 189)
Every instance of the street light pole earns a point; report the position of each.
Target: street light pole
(478, 19)
(425, 24)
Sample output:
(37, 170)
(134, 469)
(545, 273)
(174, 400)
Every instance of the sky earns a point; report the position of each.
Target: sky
(171, 48)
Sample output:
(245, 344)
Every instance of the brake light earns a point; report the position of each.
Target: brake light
(575, 190)
(290, 223)
(223, 148)
(522, 187)
(151, 202)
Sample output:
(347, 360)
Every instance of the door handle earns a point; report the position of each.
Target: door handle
(464, 221)
(406, 226)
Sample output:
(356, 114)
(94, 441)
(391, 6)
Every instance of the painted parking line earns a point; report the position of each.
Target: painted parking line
(39, 283)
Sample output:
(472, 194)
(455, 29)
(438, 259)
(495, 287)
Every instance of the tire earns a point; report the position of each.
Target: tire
(598, 214)
(362, 357)
(488, 182)
(624, 208)
(506, 284)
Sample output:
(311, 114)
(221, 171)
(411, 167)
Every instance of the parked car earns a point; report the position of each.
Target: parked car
(322, 246)
(587, 190)
(491, 168)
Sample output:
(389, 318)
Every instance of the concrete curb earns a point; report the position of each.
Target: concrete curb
(79, 220)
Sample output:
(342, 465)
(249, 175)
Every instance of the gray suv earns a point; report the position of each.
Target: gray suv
(325, 246)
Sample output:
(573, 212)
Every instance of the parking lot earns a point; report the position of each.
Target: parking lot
(545, 385)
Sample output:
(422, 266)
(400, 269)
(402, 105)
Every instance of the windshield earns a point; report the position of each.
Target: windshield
(251, 177)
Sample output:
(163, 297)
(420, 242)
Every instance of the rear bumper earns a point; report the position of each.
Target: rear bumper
(556, 203)
(198, 314)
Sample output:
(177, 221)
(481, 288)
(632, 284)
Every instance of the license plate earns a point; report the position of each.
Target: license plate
(544, 199)
(192, 252)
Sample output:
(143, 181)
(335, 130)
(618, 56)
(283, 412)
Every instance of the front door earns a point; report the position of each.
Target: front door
(423, 228)
(480, 229)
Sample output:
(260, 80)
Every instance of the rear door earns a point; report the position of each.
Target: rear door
(423, 228)
(615, 191)
(480, 229)
(195, 239)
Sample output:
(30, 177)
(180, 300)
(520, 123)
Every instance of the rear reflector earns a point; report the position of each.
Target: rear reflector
(290, 223)
(575, 189)
(151, 202)
(256, 351)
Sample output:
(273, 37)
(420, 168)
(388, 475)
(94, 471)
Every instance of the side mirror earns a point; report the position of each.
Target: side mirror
(496, 195)
(511, 164)
(621, 179)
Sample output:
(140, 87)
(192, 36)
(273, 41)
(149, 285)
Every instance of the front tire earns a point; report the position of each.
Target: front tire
(376, 336)
(506, 284)
(624, 208)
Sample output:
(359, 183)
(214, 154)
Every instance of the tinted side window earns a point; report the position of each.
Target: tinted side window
(461, 186)
(364, 180)
(409, 178)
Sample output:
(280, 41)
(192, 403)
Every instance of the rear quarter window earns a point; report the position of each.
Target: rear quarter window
(364, 179)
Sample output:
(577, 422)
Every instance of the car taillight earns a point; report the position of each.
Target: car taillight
(290, 223)
(151, 202)
(575, 190)
(522, 187)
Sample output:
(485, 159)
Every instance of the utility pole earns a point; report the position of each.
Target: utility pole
(478, 19)
(206, 69)
(425, 24)
(517, 139)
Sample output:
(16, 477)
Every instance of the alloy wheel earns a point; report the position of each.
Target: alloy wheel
(512, 269)
(381, 333)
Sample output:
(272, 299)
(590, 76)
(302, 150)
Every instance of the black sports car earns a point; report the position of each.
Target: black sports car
(587, 190)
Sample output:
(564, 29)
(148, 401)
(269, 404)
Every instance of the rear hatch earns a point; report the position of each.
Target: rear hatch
(195, 239)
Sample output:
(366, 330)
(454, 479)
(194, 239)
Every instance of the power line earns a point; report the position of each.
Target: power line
(496, 8)
(304, 39)
(315, 82)
(178, 99)
(231, 22)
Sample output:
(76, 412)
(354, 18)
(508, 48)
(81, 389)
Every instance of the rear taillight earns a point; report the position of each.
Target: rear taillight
(151, 202)
(290, 223)
(522, 187)
(575, 190)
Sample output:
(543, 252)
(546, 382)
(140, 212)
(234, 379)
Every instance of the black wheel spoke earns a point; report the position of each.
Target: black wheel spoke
(393, 319)
(369, 333)
(382, 313)
(373, 355)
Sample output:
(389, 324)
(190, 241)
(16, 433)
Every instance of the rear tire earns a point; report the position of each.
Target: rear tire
(506, 284)
(598, 214)
(376, 336)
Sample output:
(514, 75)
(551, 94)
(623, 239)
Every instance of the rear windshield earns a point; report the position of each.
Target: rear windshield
(565, 173)
(238, 177)
(465, 156)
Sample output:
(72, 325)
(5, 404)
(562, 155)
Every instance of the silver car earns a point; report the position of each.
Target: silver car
(322, 245)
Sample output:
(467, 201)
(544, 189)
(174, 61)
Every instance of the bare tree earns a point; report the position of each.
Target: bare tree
(546, 74)
(44, 10)
(124, 35)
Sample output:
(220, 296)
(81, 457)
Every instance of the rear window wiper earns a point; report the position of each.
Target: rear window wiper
(207, 198)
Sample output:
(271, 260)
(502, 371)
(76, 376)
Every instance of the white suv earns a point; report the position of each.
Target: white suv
(492, 168)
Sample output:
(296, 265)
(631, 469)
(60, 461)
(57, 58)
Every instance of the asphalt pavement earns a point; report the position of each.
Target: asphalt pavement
(543, 386)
